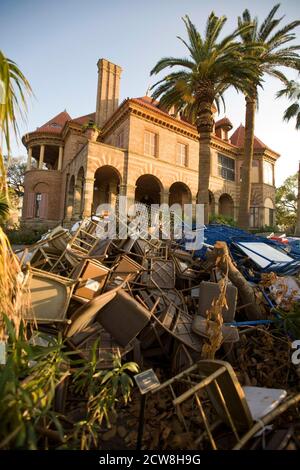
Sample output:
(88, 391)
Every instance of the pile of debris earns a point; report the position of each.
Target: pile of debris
(207, 322)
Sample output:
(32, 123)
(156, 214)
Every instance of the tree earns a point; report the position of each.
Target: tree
(269, 58)
(15, 176)
(14, 88)
(292, 92)
(213, 66)
(286, 203)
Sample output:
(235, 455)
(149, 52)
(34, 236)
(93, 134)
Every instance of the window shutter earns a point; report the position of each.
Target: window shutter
(44, 206)
(30, 205)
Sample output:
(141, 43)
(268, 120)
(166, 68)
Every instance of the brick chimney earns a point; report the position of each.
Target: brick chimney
(108, 90)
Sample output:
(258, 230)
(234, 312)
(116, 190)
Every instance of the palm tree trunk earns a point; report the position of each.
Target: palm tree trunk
(297, 229)
(204, 172)
(245, 184)
(205, 127)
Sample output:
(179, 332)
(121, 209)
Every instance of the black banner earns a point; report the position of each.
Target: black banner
(86, 460)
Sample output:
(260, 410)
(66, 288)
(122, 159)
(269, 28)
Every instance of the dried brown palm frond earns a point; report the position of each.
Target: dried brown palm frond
(214, 327)
(14, 296)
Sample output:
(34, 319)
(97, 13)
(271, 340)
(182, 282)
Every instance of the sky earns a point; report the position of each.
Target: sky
(57, 45)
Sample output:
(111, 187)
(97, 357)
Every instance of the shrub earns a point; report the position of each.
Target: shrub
(25, 235)
(28, 382)
(222, 219)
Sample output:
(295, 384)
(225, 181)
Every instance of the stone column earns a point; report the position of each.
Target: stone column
(77, 202)
(164, 196)
(194, 202)
(122, 189)
(60, 158)
(235, 212)
(261, 171)
(29, 157)
(130, 193)
(88, 197)
(41, 159)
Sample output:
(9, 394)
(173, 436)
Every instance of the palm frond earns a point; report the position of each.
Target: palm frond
(283, 32)
(291, 111)
(171, 62)
(13, 105)
(292, 92)
(16, 87)
(267, 25)
(4, 207)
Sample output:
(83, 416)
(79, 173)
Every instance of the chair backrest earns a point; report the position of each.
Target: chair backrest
(208, 291)
(231, 390)
(218, 380)
(123, 317)
(87, 313)
(50, 296)
(125, 267)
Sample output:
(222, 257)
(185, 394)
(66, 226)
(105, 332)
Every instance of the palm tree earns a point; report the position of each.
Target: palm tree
(269, 58)
(13, 90)
(212, 67)
(292, 92)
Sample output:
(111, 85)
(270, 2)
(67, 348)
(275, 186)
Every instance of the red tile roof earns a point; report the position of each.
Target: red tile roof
(238, 138)
(224, 122)
(55, 124)
(84, 119)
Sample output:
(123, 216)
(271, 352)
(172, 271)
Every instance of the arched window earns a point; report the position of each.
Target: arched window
(37, 205)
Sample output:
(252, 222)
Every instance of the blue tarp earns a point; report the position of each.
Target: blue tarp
(235, 239)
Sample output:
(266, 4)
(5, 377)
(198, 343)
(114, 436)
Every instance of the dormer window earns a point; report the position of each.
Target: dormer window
(54, 124)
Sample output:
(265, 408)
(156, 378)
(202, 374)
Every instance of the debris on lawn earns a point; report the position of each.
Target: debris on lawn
(216, 325)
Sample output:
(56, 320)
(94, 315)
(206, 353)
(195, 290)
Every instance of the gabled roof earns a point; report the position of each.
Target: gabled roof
(238, 139)
(55, 124)
(149, 103)
(85, 119)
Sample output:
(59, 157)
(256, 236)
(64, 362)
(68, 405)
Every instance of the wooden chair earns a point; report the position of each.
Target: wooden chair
(91, 276)
(50, 296)
(244, 410)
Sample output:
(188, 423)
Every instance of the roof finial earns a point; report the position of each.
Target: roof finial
(148, 90)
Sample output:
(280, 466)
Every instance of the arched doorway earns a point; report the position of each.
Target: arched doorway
(78, 195)
(226, 206)
(106, 186)
(148, 189)
(179, 194)
(70, 198)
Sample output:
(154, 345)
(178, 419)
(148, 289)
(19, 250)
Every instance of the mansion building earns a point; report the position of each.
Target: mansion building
(141, 152)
